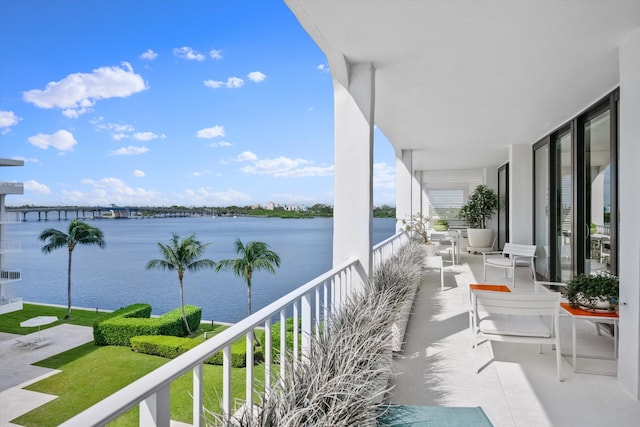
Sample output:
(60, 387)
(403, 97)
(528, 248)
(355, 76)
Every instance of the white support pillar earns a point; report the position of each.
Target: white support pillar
(520, 194)
(629, 204)
(353, 175)
(405, 183)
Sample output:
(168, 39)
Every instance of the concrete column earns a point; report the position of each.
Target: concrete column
(629, 203)
(353, 176)
(520, 194)
(404, 183)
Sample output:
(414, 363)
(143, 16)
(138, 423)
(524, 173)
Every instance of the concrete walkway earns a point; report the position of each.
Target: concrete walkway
(17, 371)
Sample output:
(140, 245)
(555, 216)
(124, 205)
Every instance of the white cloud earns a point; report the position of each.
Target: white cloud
(113, 190)
(204, 196)
(146, 136)
(256, 76)
(139, 174)
(131, 150)
(234, 82)
(8, 118)
(323, 67)
(77, 93)
(33, 186)
(246, 156)
(215, 53)
(201, 173)
(278, 166)
(308, 171)
(281, 166)
(119, 136)
(231, 83)
(27, 159)
(149, 55)
(213, 84)
(212, 132)
(62, 140)
(384, 176)
(220, 144)
(188, 53)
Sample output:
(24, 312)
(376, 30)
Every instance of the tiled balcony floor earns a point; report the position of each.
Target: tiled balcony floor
(516, 386)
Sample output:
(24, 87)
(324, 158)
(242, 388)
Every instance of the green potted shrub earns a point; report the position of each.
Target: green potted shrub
(481, 206)
(440, 225)
(594, 292)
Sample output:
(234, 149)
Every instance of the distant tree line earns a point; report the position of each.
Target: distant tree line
(316, 210)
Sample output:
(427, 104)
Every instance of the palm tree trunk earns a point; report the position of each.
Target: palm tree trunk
(69, 286)
(255, 338)
(184, 316)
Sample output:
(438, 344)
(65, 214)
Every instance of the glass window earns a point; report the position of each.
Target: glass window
(597, 146)
(564, 210)
(542, 210)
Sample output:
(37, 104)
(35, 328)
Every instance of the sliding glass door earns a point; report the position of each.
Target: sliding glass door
(575, 195)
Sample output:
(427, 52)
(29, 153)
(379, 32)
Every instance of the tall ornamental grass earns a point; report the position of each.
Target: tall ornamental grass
(343, 379)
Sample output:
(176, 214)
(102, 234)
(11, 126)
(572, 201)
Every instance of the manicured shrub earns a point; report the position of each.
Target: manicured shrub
(275, 338)
(172, 347)
(131, 311)
(119, 329)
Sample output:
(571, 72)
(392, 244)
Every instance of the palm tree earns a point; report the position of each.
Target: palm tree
(80, 233)
(253, 257)
(182, 255)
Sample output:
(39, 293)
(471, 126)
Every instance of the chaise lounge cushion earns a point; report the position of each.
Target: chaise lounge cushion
(515, 325)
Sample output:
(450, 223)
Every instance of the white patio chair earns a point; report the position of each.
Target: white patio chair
(517, 318)
(513, 255)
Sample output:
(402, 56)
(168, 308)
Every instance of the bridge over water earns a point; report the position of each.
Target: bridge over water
(60, 213)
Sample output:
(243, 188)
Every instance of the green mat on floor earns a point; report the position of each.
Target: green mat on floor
(431, 416)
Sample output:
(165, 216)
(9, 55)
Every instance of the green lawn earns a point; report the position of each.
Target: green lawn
(90, 373)
(10, 322)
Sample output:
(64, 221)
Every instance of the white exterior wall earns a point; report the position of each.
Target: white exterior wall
(353, 176)
(629, 245)
(520, 194)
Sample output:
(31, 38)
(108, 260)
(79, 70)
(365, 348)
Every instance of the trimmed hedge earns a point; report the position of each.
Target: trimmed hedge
(275, 338)
(172, 347)
(131, 321)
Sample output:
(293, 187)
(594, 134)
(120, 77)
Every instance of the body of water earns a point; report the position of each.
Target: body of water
(115, 276)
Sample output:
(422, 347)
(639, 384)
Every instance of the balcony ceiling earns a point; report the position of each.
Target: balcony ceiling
(460, 81)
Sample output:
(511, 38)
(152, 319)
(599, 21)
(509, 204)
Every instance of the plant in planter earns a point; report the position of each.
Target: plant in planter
(419, 224)
(594, 292)
(441, 225)
(482, 205)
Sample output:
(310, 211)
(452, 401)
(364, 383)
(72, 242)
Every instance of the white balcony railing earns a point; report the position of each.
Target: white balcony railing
(11, 187)
(10, 275)
(10, 245)
(387, 248)
(10, 217)
(310, 305)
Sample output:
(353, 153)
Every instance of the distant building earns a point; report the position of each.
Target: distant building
(8, 275)
(270, 206)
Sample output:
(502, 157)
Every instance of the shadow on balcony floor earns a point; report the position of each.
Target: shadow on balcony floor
(516, 385)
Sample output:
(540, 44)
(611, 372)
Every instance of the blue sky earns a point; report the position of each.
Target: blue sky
(195, 103)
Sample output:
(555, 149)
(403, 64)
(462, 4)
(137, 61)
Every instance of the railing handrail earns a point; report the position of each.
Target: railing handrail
(153, 388)
(129, 396)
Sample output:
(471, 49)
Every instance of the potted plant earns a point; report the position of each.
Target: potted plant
(594, 292)
(419, 224)
(440, 225)
(482, 205)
